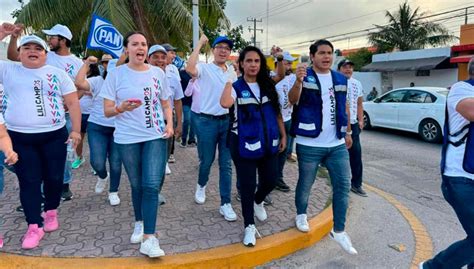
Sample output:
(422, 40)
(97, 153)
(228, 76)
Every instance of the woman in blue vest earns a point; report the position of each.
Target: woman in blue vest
(257, 135)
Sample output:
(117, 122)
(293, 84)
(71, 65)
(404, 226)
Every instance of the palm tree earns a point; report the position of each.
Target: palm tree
(407, 31)
(161, 20)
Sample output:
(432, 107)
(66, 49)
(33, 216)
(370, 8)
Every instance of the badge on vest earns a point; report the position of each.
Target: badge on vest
(246, 94)
(311, 79)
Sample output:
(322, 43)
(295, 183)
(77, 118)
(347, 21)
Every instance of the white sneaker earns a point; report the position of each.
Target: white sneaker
(302, 223)
(151, 247)
(249, 236)
(114, 198)
(227, 211)
(344, 241)
(259, 211)
(200, 195)
(137, 235)
(101, 183)
(167, 170)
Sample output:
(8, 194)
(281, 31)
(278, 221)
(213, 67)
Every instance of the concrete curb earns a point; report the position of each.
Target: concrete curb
(232, 256)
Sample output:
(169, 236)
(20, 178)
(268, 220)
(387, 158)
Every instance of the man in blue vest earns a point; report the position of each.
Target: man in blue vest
(457, 167)
(320, 124)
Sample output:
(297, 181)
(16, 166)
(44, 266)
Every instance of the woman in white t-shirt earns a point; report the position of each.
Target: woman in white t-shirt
(35, 119)
(101, 134)
(136, 94)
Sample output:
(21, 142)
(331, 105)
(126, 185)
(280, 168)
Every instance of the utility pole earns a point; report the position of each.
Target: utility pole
(465, 18)
(195, 23)
(254, 20)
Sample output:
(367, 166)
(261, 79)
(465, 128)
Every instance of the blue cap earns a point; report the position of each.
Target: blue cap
(156, 48)
(223, 39)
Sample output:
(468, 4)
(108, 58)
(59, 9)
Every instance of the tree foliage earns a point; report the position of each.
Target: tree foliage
(360, 58)
(161, 20)
(407, 30)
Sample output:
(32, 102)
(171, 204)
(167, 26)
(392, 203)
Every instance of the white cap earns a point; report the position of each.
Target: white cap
(287, 57)
(33, 39)
(59, 29)
(156, 48)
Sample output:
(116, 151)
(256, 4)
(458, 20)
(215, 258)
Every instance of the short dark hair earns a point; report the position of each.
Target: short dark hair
(129, 34)
(314, 47)
(68, 42)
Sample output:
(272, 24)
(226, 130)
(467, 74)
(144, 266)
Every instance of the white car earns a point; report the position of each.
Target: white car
(416, 109)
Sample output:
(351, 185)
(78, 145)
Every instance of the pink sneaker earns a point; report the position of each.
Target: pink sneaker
(51, 220)
(32, 237)
(1, 241)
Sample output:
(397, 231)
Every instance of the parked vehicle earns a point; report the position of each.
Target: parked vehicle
(416, 109)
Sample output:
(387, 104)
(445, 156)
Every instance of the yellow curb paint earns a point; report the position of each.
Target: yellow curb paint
(423, 243)
(232, 256)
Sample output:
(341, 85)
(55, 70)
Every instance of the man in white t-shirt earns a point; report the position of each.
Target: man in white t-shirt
(174, 80)
(355, 97)
(59, 40)
(213, 121)
(457, 169)
(320, 123)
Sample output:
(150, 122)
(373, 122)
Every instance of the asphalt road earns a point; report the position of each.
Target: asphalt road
(404, 166)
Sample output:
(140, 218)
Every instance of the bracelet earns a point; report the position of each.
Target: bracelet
(118, 110)
(349, 133)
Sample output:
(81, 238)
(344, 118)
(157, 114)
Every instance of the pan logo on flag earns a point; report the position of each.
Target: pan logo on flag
(108, 37)
(104, 36)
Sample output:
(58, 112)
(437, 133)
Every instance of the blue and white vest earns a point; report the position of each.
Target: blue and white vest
(460, 137)
(257, 126)
(307, 117)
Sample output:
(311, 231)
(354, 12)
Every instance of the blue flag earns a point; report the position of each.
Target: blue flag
(104, 36)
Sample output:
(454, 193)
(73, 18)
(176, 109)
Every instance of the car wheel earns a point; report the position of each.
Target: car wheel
(366, 121)
(430, 131)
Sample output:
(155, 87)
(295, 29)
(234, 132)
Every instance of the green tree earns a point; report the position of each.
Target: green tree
(161, 20)
(407, 30)
(235, 34)
(360, 58)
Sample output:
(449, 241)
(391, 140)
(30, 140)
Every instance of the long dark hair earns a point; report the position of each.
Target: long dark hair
(266, 84)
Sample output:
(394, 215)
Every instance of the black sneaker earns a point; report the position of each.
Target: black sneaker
(282, 186)
(359, 191)
(268, 200)
(66, 195)
(192, 144)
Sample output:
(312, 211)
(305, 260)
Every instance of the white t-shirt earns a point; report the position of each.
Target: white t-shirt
(97, 115)
(86, 104)
(327, 138)
(255, 90)
(174, 84)
(3, 106)
(212, 79)
(283, 88)
(455, 155)
(2, 121)
(354, 91)
(70, 63)
(35, 97)
(173, 70)
(146, 122)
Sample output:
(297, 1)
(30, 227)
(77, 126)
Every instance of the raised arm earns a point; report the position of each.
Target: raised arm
(191, 66)
(226, 98)
(81, 78)
(295, 91)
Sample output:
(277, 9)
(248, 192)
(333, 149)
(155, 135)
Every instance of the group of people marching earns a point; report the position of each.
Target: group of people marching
(133, 111)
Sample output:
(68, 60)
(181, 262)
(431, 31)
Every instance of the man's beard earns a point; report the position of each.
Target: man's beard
(54, 48)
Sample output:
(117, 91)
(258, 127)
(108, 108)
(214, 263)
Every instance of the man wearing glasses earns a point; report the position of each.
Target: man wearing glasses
(213, 121)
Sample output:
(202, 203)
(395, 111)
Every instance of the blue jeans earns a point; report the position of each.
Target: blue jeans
(145, 165)
(213, 135)
(187, 125)
(68, 166)
(282, 156)
(459, 193)
(336, 160)
(102, 146)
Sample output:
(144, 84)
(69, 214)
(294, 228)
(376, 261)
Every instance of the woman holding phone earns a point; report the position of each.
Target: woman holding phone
(136, 94)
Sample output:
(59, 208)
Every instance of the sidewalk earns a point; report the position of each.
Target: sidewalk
(90, 227)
